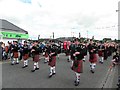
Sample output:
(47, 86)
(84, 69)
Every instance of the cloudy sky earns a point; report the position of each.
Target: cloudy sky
(63, 17)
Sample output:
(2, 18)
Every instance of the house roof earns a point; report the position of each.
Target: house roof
(6, 25)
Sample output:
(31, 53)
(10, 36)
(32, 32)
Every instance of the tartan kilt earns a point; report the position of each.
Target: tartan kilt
(79, 67)
(72, 57)
(25, 57)
(46, 54)
(94, 59)
(36, 58)
(52, 62)
(67, 52)
(15, 54)
(100, 53)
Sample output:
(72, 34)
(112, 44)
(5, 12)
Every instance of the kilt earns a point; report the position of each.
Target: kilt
(67, 52)
(15, 54)
(46, 54)
(100, 53)
(72, 57)
(79, 67)
(26, 56)
(36, 58)
(52, 62)
(94, 59)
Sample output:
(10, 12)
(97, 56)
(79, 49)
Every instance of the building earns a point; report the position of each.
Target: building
(10, 32)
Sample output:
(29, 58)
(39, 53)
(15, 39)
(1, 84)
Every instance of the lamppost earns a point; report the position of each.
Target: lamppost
(118, 20)
(53, 35)
(38, 37)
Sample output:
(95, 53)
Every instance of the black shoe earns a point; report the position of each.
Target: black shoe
(53, 73)
(77, 83)
(50, 76)
(17, 63)
(12, 64)
(92, 71)
(25, 66)
(45, 62)
(83, 60)
(101, 62)
(32, 70)
(37, 69)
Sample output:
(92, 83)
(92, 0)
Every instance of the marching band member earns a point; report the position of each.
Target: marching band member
(100, 53)
(78, 62)
(72, 51)
(52, 60)
(92, 57)
(25, 54)
(47, 51)
(84, 46)
(36, 57)
(15, 50)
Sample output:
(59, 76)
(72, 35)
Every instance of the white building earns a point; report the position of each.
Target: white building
(10, 32)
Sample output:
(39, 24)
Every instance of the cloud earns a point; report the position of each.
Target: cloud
(62, 16)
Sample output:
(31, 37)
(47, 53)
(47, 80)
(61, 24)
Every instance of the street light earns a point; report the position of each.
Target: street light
(79, 35)
(38, 37)
(53, 35)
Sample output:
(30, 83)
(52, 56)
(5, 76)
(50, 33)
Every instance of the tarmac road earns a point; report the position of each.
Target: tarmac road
(17, 77)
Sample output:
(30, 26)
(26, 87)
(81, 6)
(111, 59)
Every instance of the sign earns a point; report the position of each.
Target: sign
(14, 35)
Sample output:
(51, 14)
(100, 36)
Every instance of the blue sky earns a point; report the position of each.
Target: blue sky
(61, 16)
(26, 1)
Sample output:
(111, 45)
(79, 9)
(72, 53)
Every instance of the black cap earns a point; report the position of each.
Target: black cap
(25, 41)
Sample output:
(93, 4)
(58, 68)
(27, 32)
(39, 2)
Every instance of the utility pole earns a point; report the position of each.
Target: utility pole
(53, 35)
(79, 35)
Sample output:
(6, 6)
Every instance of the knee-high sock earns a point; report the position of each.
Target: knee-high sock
(26, 62)
(84, 58)
(54, 70)
(17, 60)
(101, 59)
(46, 59)
(51, 70)
(93, 66)
(34, 65)
(69, 57)
(13, 61)
(37, 65)
(77, 77)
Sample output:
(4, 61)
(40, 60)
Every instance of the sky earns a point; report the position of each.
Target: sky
(65, 18)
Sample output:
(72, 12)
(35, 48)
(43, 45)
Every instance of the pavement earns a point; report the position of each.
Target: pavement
(17, 77)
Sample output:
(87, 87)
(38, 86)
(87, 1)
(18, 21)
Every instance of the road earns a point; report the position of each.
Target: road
(17, 77)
